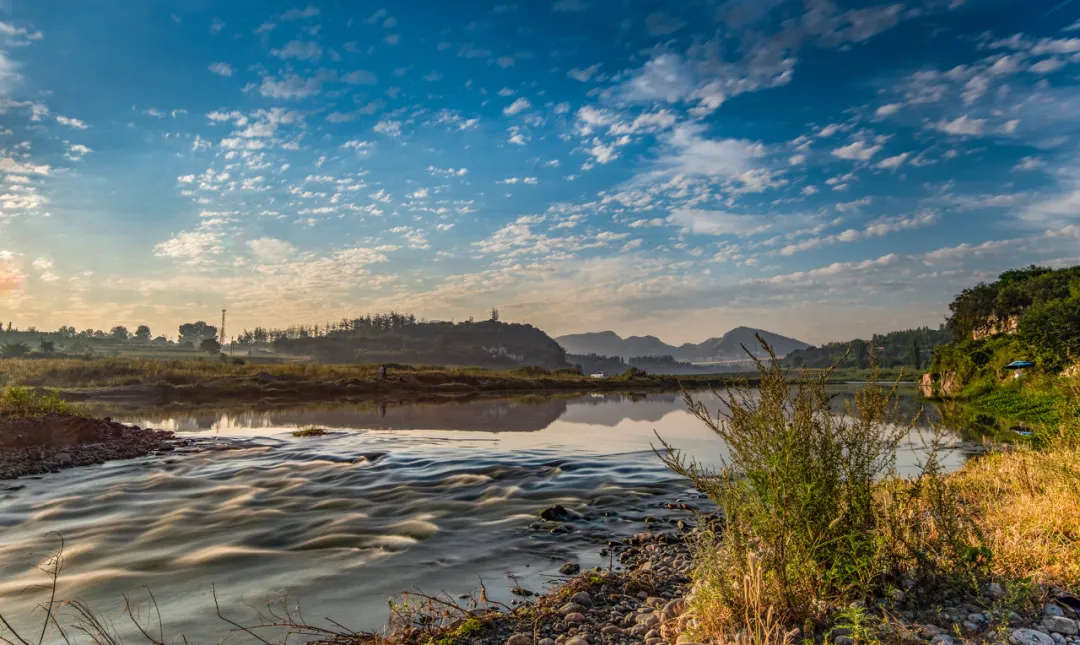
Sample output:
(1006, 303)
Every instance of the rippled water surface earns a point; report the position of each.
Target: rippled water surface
(397, 497)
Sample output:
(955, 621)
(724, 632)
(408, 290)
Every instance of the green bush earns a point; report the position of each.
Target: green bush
(802, 490)
(20, 401)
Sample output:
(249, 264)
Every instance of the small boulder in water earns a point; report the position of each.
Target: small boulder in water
(558, 513)
(569, 569)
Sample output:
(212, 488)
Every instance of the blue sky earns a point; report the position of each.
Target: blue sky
(818, 169)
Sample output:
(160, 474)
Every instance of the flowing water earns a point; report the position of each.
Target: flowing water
(397, 497)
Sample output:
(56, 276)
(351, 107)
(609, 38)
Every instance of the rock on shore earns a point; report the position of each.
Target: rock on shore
(51, 442)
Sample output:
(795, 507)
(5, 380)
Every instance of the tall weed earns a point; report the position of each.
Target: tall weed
(805, 492)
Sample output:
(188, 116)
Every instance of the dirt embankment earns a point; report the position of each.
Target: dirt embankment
(34, 445)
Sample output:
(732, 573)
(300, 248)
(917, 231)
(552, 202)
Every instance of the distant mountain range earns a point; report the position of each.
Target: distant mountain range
(725, 348)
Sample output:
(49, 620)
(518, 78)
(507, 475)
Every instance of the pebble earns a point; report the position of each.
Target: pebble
(519, 639)
(577, 640)
(582, 598)
(574, 617)
(569, 569)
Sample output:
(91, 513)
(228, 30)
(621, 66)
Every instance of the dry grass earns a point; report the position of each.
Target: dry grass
(113, 372)
(1026, 504)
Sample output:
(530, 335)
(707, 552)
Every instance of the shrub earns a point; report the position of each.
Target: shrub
(16, 349)
(805, 497)
(531, 370)
(20, 401)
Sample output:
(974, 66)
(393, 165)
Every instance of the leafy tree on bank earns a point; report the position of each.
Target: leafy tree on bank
(196, 332)
(1052, 329)
(210, 346)
(142, 334)
(119, 333)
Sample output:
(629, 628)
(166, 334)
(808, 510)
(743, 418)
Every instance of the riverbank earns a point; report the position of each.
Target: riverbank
(140, 382)
(40, 435)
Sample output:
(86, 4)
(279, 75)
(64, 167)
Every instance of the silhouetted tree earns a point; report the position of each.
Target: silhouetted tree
(120, 332)
(142, 333)
(196, 332)
(210, 346)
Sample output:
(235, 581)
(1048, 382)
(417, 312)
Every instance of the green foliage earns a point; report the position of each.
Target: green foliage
(210, 346)
(1052, 330)
(1012, 295)
(20, 401)
(797, 488)
(309, 431)
(907, 348)
(813, 505)
(196, 332)
(15, 349)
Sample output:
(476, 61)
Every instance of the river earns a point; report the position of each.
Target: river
(397, 497)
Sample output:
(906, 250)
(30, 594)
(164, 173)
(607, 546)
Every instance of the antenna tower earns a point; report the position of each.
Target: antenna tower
(222, 341)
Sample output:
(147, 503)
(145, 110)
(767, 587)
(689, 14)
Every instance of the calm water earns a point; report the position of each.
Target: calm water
(429, 497)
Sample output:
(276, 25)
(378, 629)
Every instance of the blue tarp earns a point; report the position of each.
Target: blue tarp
(1017, 365)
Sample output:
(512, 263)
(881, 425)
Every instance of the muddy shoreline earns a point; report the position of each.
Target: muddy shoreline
(37, 445)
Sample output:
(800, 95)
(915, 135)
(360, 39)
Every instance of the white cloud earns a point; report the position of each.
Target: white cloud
(77, 151)
(300, 50)
(894, 162)
(643, 223)
(356, 144)
(221, 69)
(664, 78)
(602, 153)
(857, 151)
(888, 109)
(299, 14)
(447, 172)
(216, 25)
(271, 250)
(18, 36)
(1047, 66)
(705, 222)
(688, 153)
(360, 77)
(73, 123)
(389, 128)
(191, 246)
(1029, 163)
(517, 106)
(292, 86)
(584, 75)
(961, 125)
